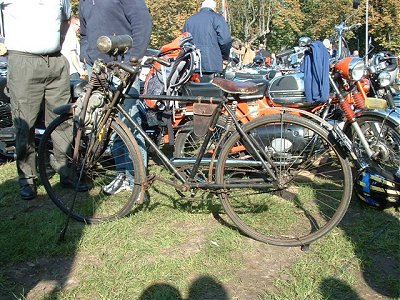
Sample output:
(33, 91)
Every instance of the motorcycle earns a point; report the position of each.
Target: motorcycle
(373, 133)
(382, 74)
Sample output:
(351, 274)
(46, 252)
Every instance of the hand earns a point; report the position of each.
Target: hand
(84, 75)
(3, 49)
(134, 60)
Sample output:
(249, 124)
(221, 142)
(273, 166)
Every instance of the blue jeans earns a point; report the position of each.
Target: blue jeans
(121, 155)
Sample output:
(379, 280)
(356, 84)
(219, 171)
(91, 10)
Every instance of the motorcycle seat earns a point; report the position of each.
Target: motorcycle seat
(235, 87)
(206, 89)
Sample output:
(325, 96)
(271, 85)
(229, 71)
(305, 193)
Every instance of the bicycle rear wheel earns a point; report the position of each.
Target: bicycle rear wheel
(310, 194)
(187, 144)
(78, 188)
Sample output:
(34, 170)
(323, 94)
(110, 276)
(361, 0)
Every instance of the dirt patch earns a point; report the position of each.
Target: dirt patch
(44, 276)
(261, 266)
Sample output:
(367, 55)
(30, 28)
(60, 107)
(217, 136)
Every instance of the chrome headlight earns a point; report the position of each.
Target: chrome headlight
(384, 78)
(356, 69)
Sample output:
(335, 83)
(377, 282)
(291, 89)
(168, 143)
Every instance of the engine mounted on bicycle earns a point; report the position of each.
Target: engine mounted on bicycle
(100, 92)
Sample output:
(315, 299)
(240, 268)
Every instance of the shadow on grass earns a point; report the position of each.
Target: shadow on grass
(203, 287)
(330, 288)
(375, 235)
(206, 203)
(33, 263)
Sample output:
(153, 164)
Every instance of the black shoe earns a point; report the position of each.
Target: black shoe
(69, 184)
(27, 192)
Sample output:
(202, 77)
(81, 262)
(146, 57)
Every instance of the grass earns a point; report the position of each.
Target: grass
(172, 249)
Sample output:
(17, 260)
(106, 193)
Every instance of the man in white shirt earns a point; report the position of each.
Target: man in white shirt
(37, 74)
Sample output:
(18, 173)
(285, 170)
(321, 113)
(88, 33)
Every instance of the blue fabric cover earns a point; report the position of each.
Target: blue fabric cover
(315, 67)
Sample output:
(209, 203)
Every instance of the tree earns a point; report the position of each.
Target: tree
(254, 20)
(279, 23)
(384, 24)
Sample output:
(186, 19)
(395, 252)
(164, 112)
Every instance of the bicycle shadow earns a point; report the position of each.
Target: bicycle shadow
(203, 287)
(33, 263)
(374, 234)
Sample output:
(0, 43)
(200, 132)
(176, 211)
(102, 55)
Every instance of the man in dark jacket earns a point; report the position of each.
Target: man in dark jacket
(211, 35)
(105, 17)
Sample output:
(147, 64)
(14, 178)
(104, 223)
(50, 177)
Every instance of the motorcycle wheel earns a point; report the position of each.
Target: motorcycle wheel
(311, 191)
(383, 136)
(5, 115)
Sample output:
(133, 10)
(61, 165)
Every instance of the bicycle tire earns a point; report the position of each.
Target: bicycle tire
(315, 175)
(386, 142)
(92, 205)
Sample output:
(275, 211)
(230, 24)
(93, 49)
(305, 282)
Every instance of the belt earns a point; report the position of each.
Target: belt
(54, 54)
(43, 56)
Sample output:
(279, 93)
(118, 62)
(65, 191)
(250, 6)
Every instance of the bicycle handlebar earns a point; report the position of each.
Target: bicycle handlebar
(141, 63)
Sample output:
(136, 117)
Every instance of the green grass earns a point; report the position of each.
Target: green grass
(172, 249)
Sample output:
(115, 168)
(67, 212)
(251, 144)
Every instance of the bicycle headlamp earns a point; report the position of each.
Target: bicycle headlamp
(385, 79)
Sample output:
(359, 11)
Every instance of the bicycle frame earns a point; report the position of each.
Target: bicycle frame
(190, 183)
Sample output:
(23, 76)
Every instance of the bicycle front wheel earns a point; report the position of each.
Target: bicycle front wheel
(77, 187)
(311, 191)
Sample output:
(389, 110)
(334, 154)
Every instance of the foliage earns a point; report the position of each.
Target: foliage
(279, 23)
(384, 23)
(169, 18)
(75, 6)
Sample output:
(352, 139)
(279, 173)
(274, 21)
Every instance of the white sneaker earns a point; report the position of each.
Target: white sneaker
(119, 184)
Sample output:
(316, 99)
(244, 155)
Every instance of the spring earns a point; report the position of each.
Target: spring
(229, 119)
(97, 81)
(359, 100)
(347, 109)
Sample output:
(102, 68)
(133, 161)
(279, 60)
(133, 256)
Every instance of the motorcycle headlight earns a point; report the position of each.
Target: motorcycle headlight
(384, 78)
(356, 70)
(350, 68)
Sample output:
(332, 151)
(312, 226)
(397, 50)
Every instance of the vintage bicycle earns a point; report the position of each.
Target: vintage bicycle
(275, 191)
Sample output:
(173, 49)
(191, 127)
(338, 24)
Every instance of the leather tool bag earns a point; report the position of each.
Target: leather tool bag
(203, 115)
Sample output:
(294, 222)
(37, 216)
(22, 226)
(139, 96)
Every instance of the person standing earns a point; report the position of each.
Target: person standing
(248, 55)
(105, 17)
(71, 49)
(211, 35)
(37, 74)
(264, 53)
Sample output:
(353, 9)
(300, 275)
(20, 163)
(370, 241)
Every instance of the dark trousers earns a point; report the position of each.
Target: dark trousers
(35, 82)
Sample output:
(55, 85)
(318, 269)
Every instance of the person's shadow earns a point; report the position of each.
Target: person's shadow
(34, 263)
(330, 288)
(202, 288)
